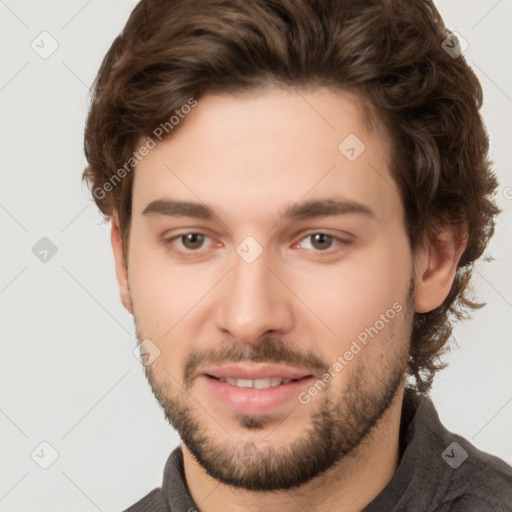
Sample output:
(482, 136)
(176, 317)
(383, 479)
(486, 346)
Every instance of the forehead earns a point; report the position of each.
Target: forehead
(260, 151)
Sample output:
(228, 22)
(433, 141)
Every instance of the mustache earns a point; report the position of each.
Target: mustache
(268, 350)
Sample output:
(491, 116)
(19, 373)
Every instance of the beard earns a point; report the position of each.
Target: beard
(340, 420)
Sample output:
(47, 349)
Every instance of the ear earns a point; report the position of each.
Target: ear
(120, 263)
(436, 265)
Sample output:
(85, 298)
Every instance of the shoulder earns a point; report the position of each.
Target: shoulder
(481, 483)
(152, 502)
(472, 503)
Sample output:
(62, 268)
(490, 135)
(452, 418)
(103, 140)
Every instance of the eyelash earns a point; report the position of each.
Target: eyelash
(168, 243)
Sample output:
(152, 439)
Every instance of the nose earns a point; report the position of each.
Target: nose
(254, 301)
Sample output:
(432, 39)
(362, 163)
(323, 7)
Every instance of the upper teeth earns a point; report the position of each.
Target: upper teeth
(255, 383)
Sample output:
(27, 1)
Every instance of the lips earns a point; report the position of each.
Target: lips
(271, 382)
(254, 389)
(255, 372)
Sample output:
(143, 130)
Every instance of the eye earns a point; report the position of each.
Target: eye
(186, 243)
(190, 245)
(192, 240)
(321, 242)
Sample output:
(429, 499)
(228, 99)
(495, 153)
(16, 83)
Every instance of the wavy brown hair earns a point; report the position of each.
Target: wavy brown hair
(388, 51)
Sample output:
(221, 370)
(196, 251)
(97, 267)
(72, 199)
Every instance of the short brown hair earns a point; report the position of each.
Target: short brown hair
(390, 52)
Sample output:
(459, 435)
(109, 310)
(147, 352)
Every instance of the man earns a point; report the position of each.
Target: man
(297, 190)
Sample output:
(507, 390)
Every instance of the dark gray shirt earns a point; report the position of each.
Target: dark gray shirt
(438, 472)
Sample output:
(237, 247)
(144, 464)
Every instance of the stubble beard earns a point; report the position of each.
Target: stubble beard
(338, 424)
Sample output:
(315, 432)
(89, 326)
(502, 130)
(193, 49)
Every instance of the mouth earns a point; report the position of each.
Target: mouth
(258, 376)
(254, 389)
(263, 383)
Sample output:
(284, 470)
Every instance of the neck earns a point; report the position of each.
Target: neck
(348, 486)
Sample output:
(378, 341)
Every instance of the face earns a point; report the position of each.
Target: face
(270, 267)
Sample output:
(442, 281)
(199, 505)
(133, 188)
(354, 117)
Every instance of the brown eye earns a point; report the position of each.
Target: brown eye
(192, 240)
(321, 241)
(188, 245)
(322, 244)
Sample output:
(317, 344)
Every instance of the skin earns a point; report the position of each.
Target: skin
(249, 157)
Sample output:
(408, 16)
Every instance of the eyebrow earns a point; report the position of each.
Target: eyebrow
(298, 211)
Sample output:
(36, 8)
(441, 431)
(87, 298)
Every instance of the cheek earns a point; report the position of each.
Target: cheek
(161, 299)
(166, 296)
(351, 296)
(152, 292)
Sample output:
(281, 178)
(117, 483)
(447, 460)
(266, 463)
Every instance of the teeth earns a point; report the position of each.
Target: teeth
(255, 383)
(245, 383)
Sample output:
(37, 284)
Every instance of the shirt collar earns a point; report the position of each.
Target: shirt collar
(422, 477)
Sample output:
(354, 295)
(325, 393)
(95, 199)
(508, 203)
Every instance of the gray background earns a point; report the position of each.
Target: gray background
(68, 373)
